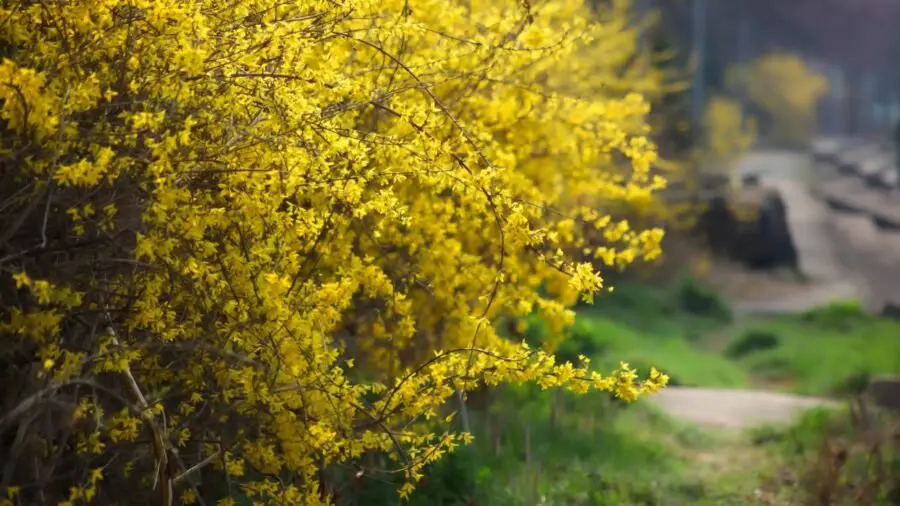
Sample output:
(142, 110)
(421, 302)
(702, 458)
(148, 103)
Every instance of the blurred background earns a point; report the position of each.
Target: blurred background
(852, 45)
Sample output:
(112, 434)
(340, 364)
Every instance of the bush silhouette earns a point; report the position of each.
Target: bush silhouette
(701, 301)
(752, 341)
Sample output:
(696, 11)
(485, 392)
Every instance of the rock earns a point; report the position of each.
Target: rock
(705, 188)
(770, 234)
(713, 181)
(762, 241)
(885, 392)
(717, 225)
(890, 309)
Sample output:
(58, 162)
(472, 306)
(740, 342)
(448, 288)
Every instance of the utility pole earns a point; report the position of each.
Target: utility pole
(831, 107)
(743, 55)
(698, 95)
(641, 10)
(866, 101)
(841, 99)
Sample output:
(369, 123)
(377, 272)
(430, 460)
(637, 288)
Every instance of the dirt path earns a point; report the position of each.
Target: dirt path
(733, 409)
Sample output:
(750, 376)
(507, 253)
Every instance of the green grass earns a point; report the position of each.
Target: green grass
(822, 353)
(820, 361)
(827, 352)
(684, 309)
(596, 454)
(659, 327)
(685, 331)
(830, 439)
(593, 452)
(588, 450)
(666, 350)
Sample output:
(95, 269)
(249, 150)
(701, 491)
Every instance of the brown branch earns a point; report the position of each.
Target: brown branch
(160, 440)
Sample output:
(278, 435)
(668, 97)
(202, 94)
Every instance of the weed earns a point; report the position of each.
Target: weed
(834, 458)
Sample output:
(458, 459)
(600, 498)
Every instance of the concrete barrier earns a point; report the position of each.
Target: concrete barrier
(869, 168)
(887, 215)
(849, 160)
(865, 202)
(884, 179)
(847, 194)
(857, 194)
(890, 178)
(826, 150)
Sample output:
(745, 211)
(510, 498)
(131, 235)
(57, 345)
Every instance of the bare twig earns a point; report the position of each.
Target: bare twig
(196, 467)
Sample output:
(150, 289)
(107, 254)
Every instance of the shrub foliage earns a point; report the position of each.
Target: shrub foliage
(244, 242)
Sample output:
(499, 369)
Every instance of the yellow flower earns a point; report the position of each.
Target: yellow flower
(22, 279)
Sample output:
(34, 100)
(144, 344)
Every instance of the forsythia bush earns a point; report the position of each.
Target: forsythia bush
(785, 89)
(726, 136)
(243, 242)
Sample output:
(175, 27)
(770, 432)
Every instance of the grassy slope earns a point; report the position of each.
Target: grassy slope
(820, 357)
(645, 326)
(666, 350)
(597, 453)
(817, 353)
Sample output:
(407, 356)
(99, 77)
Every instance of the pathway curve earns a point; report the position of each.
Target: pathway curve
(733, 409)
(828, 279)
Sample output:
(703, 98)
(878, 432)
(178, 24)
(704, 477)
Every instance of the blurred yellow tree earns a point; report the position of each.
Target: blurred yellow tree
(245, 241)
(617, 64)
(785, 89)
(727, 137)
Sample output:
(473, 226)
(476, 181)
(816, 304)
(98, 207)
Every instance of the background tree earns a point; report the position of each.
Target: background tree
(785, 90)
(857, 37)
